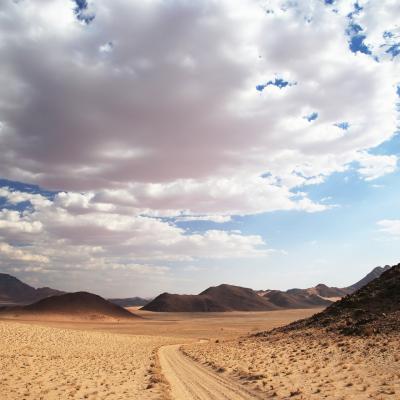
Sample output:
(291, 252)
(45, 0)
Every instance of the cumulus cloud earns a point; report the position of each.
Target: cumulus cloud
(218, 219)
(13, 222)
(14, 253)
(160, 97)
(375, 166)
(137, 111)
(390, 226)
(70, 234)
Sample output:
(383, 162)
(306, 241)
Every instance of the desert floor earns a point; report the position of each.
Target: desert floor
(308, 365)
(144, 359)
(44, 359)
(50, 363)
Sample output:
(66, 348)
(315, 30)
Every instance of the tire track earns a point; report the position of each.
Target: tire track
(191, 381)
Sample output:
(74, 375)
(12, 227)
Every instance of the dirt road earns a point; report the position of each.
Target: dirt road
(191, 381)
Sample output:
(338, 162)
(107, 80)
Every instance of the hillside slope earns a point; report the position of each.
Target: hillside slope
(373, 308)
(375, 273)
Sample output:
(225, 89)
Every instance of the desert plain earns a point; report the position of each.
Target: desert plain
(55, 358)
(192, 355)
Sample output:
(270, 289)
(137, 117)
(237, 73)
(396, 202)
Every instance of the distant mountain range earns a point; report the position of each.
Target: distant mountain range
(234, 298)
(220, 298)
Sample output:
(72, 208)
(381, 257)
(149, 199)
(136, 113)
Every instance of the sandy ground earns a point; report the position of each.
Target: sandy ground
(187, 326)
(44, 359)
(190, 380)
(50, 363)
(310, 365)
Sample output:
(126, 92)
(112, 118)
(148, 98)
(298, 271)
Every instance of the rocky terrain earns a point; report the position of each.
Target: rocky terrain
(351, 350)
(374, 308)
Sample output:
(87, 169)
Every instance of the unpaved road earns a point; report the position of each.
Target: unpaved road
(190, 380)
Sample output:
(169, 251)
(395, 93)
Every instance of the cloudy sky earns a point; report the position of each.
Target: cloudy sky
(170, 145)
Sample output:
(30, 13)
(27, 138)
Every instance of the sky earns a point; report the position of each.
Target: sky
(170, 145)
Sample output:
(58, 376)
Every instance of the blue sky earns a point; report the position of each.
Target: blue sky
(170, 146)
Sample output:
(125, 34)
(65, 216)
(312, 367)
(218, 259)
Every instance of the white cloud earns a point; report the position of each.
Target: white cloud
(16, 197)
(375, 166)
(71, 233)
(390, 226)
(152, 111)
(219, 219)
(14, 222)
(180, 128)
(14, 253)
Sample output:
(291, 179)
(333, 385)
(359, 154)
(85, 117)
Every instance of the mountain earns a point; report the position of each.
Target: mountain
(329, 291)
(318, 296)
(236, 298)
(296, 298)
(130, 302)
(13, 291)
(82, 305)
(167, 302)
(219, 298)
(373, 308)
(375, 273)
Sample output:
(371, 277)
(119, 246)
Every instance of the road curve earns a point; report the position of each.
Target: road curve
(191, 381)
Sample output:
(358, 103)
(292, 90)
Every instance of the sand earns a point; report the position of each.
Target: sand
(190, 380)
(47, 358)
(44, 359)
(51, 363)
(186, 326)
(310, 365)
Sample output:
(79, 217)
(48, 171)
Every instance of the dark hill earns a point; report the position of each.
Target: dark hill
(13, 291)
(236, 298)
(167, 302)
(373, 308)
(214, 299)
(79, 305)
(327, 291)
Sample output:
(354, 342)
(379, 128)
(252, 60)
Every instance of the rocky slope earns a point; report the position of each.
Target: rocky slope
(372, 309)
